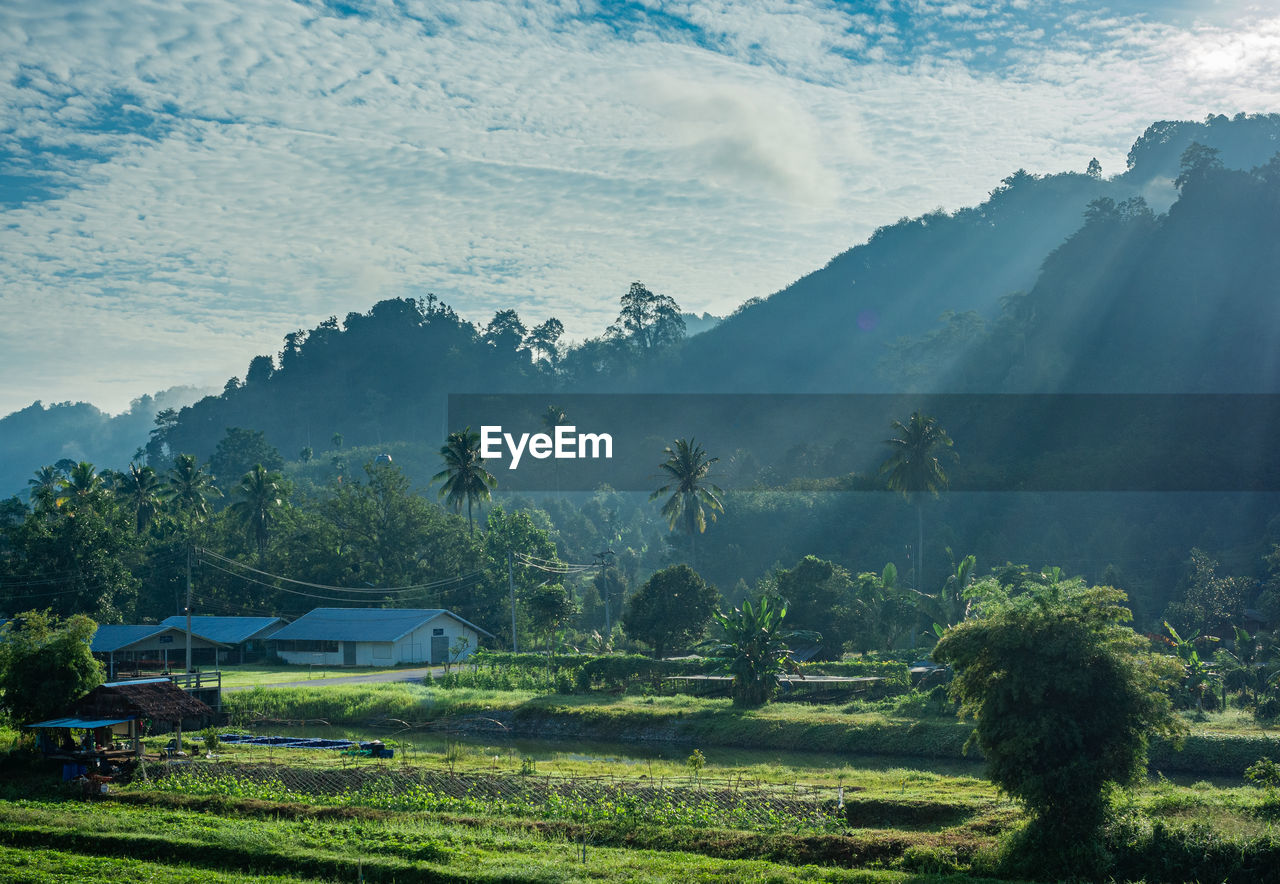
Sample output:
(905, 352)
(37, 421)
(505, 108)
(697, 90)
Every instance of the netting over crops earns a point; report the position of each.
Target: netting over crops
(734, 803)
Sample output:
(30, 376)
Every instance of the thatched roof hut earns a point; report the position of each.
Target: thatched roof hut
(158, 703)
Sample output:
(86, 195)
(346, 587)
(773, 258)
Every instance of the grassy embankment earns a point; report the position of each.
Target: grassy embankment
(1223, 745)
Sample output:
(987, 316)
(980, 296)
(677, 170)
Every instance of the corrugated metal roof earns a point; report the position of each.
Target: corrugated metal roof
(116, 684)
(228, 630)
(363, 624)
(113, 638)
(79, 722)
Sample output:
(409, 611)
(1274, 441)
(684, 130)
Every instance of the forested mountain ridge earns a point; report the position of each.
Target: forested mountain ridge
(830, 330)
(74, 431)
(1021, 282)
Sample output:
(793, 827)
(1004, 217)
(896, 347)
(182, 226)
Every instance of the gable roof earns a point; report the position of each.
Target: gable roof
(364, 624)
(228, 630)
(114, 638)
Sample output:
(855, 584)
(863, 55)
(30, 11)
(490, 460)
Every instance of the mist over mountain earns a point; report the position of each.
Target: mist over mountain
(44, 434)
(1064, 282)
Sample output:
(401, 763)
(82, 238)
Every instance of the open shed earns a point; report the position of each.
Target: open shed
(121, 712)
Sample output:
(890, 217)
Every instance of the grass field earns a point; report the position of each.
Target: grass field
(1221, 745)
(248, 675)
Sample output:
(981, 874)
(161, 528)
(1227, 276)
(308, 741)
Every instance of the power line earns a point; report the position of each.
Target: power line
(309, 595)
(382, 590)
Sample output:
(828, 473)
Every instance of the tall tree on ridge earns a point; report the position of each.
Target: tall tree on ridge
(465, 477)
(914, 468)
(260, 496)
(692, 498)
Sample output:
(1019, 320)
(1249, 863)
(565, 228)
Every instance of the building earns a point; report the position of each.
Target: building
(377, 637)
(245, 637)
(152, 647)
(120, 711)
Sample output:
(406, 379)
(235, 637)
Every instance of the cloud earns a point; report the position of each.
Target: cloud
(182, 185)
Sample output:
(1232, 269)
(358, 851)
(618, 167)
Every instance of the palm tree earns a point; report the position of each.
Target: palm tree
(949, 606)
(754, 650)
(692, 498)
(140, 488)
(465, 477)
(914, 468)
(44, 488)
(81, 485)
(260, 496)
(188, 489)
(553, 417)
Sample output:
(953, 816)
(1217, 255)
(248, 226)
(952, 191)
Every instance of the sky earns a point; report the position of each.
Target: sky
(183, 183)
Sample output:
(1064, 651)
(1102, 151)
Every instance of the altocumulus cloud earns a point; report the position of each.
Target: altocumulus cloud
(182, 183)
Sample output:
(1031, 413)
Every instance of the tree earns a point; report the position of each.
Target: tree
(753, 648)
(1209, 602)
(1197, 162)
(1095, 168)
(1065, 696)
(44, 488)
(950, 604)
(261, 368)
(188, 489)
(544, 340)
(261, 496)
(1199, 676)
(550, 608)
(464, 475)
(140, 490)
(82, 487)
(505, 332)
(647, 322)
(914, 468)
(818, 596)
(239, 449)
(692, 498)
(673, 608)
(45, 665)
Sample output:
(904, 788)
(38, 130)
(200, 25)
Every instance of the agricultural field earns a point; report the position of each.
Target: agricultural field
(730, 798)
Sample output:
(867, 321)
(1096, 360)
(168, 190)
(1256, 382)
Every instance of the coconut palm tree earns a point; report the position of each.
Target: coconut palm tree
(81, 486)
(465, 478)
(692, 498)
(261, 496)
(140, 489)
(44, 488)
(188, 490)
(915, 468)
(553, 417)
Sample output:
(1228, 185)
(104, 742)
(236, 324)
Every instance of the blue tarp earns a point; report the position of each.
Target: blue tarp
(305, 743)
(87, 723)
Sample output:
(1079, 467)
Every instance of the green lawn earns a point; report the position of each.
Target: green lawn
(260, 674)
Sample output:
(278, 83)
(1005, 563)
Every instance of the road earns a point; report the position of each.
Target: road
(397, 675)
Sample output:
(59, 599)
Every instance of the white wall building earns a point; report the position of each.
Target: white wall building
(376, 637)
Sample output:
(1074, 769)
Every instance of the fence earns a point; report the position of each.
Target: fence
(734, 803)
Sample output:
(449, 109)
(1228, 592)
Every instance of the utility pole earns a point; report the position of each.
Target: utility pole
(600, 566)
(189, 551)
(511, 584)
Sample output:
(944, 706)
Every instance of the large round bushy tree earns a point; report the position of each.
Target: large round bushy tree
(1065, 696)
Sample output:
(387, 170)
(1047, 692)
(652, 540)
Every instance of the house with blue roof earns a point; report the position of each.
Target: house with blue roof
(245, 637)
(152, 647)
(377, 637)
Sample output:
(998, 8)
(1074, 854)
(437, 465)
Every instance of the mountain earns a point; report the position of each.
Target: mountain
(1006, 296)
(41, 435)
(831, 330)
